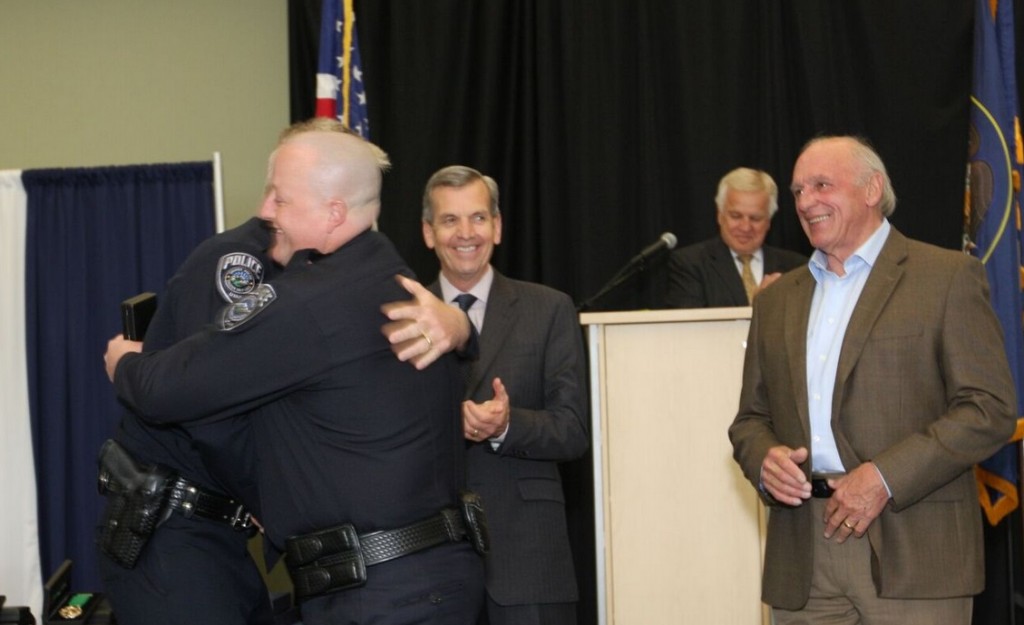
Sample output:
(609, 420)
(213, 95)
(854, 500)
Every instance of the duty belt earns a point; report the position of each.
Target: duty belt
(189, 499)
(141, 497)
(336, 558)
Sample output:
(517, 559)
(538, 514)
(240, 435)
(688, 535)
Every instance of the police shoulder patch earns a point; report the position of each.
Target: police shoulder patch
(247, 307)
(238, 274)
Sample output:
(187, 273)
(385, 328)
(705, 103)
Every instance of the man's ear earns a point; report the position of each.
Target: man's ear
(337, 213)
(873, 189)
(428, 234)
(497, 229)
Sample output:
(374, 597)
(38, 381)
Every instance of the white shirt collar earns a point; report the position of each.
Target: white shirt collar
(480, 290)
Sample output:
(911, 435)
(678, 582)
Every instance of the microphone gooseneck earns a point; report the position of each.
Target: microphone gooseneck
(638, 263)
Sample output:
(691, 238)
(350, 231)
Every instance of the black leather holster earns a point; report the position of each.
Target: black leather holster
(135, 503)
(472, 508)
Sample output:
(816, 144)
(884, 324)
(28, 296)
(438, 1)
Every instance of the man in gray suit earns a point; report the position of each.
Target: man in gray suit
(730, 269)
(526, 407)
(874, 380)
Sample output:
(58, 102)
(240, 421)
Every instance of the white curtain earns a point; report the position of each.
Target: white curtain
(20, 574)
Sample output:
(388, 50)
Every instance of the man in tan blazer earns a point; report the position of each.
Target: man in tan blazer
(874, 379)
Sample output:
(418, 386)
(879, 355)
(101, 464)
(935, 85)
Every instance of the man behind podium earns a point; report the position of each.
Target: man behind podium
(874, 380)
(730, 269)
(526, 405)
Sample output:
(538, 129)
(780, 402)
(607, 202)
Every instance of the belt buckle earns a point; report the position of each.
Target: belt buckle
(241, 520)
(820, 488)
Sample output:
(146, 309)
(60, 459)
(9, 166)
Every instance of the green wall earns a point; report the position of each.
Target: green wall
(119, 82)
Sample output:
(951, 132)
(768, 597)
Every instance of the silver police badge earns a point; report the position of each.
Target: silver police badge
(238, 275)
(247, 307)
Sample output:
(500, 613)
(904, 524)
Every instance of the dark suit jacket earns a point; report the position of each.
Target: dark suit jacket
(531, 339)
(923, 390)
(703, 275)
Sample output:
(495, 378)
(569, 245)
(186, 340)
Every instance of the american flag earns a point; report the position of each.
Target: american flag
(340, 91)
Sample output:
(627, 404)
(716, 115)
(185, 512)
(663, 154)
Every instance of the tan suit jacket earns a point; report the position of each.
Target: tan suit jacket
(922, 389)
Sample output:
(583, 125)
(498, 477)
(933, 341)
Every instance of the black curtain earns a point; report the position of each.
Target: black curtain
(95, 237)
(607, 123)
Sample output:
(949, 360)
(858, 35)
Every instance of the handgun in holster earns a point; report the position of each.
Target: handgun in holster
(136, 497)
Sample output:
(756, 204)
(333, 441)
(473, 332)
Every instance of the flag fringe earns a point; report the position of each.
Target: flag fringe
(1007, 497)
(997, 510)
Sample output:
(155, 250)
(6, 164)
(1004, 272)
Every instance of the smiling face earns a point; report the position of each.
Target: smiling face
(297, 213)
(837, 198)
(463, 232)
(744, 220)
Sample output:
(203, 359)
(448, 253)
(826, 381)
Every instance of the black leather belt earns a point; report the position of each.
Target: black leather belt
(336, 558)
(446, 527)
(189, 499)
(820, 488)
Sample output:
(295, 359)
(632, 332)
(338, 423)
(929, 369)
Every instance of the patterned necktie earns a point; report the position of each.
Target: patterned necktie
(749, 284)
(465, 301)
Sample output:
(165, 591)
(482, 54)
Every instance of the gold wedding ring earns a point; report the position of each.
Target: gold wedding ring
(847, 525)
(430, 344)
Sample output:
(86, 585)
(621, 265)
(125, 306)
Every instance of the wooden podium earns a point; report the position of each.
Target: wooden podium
(679, 531)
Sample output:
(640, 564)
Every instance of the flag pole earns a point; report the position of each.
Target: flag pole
(218, 194)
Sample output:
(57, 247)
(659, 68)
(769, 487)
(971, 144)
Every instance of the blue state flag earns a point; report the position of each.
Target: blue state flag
(993, 222)
(340, 92)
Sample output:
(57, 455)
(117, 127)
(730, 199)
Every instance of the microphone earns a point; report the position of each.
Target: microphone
(638, 263)
(666, 241)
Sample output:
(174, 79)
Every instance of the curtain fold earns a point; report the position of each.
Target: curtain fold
(20, 574)
(607, 123)
(94, 237)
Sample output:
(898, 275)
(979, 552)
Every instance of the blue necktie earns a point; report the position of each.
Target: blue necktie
(465, 301)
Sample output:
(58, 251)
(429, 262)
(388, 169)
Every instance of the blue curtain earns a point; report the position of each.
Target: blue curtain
(94, 237)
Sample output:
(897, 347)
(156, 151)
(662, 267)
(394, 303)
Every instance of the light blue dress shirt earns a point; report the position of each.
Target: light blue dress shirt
(834, 300)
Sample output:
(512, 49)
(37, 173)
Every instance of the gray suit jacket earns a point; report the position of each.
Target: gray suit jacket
(923, 390)
(532, 340)
(703, 275)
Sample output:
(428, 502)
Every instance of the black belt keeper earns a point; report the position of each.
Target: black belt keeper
(189, 500)
(336, 558)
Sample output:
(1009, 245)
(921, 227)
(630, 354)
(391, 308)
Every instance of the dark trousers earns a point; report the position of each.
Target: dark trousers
(439, 586)
(530, 614)
(191, 571)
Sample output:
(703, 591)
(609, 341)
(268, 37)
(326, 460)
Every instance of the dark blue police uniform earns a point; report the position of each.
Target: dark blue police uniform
(196, 570)
(344, 432)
